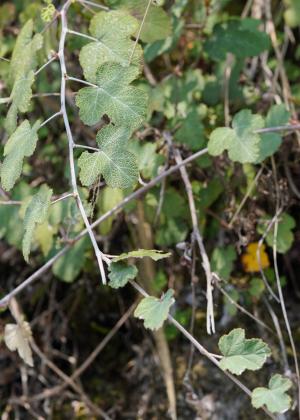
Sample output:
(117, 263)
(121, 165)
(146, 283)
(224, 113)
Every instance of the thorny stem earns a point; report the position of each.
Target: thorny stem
(100, 257)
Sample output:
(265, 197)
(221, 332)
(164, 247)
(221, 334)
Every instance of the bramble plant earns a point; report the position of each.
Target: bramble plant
(141, 91)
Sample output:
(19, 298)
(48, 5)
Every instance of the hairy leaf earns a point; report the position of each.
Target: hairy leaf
(21, 143)
(24, 54)
(240, 353)
(124, 104)
(120, 274)
(21, 74)
(117, 165)
(142, 253)
(36, 213)
(156, 25)
(154, 311)
(240, 140)
(275, 397)
(113, 31)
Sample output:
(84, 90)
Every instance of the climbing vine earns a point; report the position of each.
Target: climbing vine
(131, 113)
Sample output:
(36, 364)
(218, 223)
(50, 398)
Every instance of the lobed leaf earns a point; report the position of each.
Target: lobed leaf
(120, 274)
(125, 105)
(240, 353)
(240, 140)
(117, 165)
(111, 45)
(155, 311)
(270, 142)
(156, 25)
(274, 397)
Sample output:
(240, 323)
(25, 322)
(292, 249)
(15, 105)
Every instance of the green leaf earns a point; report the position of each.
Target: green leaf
(156, 25)
(240, 353)
(142, 253)
(120, 274)
(21, 143)
(68, 267)
(222, 261)
(240, 140)
(113, 31)
(24, 54)
(270, 142)
(21, 92)
(117, 165)
(257, 287)
(124, 104)
(274, 397)
(239, 37)
(155, 311)
(21, 74)
(108, 199)
(285, 236)
(147, 158)
(191, 132)
(36, 213)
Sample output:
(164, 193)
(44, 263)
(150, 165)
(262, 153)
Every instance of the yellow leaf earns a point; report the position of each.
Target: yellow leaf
(252, 262)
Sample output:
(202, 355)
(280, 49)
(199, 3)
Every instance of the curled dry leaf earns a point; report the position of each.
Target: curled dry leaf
(17, 337)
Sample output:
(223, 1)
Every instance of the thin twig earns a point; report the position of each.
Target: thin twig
(240, 307)
(278, 282)
(89, 360)
(258, 255)
(97, 410)
(83, 146)
(53, 58)
(5, 300)
(83, 82)
(245, 198)
(200, 348)
(291, 127)
(140, 30)
(279, 335)
(57, 114)
(91, 38)
(210, 321)
(10, 203)
(63, 197)
(91, 3)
